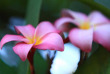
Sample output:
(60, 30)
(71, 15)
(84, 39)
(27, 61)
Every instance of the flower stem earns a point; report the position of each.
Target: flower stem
(30, 59)
(83, 56)
(66, 40)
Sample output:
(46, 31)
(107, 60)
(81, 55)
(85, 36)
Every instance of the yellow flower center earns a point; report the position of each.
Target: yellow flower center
(36, 40)
(85, 25)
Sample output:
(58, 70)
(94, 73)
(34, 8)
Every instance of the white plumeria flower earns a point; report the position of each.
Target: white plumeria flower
(66, 62)
(16, 21)
(8, 56)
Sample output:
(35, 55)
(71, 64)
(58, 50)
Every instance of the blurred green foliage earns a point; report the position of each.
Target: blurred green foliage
(10, 8)
(33, 10)
(5, 69)
(41, 65)
(105, 3)
(49, 10)
(98, 63)
(96, 6)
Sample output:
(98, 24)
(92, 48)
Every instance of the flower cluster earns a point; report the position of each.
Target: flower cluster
(94, 27)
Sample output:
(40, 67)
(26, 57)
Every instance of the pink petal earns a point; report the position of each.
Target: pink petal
(101, 35)
(79, 17)
(52, 41)
(27, 31)
(8, 38)
(97, 18)
(22, 50)
(82, 38)
(62, 23)
(44, 28)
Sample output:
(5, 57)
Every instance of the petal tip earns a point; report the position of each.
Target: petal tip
(22, 58)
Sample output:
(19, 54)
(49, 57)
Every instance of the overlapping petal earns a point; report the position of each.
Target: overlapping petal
(96, 18)
(62, 25)
(52, 41)
(44, 28)
(102, 35)
(27, 31)
(79, 17)
(82, 38)
(22, 49)
(8, 38)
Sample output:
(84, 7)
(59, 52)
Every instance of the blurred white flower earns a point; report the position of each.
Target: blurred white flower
(8, 56)
(66, 62)
(45, 53)
(16, 21)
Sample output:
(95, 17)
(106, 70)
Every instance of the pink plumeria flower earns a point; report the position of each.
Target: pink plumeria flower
(94, 27)
(45, 36)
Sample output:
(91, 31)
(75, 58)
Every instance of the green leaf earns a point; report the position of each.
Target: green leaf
(105, 3)
(23, 67)
(33, 10)
(97, 63)
(40, 65)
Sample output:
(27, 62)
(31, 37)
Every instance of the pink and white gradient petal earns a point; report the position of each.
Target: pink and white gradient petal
(52, 41)
(96, 18)
(44, 28)
(62, 23)
(27, 31)
(22, 50)
(8, 38)
(101, 35)
(82, 38)
(79, 17)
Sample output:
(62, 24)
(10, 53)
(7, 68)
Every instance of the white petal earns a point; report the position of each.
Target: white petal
(66, 62)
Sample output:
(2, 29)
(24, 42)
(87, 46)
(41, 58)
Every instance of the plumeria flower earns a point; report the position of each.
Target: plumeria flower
(66, 62)
(94, 27)
(44, 37)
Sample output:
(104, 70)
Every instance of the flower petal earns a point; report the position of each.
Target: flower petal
(101, 35)
(82, 38)
(97, 18)
(61, 23)
(22, 49)
(79, 17)
(27, 31)
(44, 28)
(8, 38)
(52, 41)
